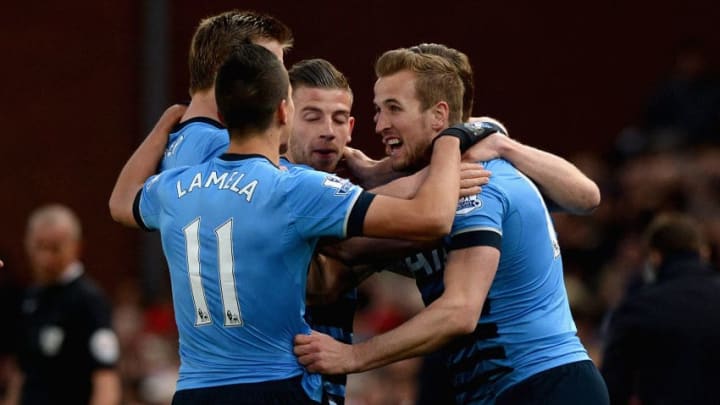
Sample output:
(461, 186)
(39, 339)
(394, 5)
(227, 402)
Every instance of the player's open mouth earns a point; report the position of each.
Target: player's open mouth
(392, 145)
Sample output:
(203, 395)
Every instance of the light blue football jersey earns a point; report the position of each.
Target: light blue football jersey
(526, 326)
(238, 234)
(194, 141)
(334, 319)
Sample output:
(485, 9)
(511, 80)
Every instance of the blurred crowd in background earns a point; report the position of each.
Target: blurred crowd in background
(668, 160)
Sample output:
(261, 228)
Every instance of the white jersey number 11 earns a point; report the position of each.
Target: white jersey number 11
(226, 266)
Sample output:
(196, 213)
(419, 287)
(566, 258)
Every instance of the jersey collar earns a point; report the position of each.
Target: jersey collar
(230, 157)
(205, 120)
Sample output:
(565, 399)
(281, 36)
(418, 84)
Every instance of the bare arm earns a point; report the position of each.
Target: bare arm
(141, 165)
(379, 177)
(468, 276)
(328, 279)
(105, 387)
(373, 250)
(430, 213)
(427, 216)
(367, 172)
(345, 264)
(330, 276)
(472, 177)
(559, 180)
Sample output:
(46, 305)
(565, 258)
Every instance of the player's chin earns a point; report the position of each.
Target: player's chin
(399, 163)
(325, 165)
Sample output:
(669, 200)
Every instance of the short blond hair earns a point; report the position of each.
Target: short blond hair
(217, 36)
(463, 66)
(437, 78)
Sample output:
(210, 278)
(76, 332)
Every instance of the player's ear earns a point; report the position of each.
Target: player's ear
(286, 108)
(351, 123)
(283, 112)
(440, 114)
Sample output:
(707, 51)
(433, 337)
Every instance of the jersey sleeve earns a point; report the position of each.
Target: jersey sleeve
(146, 208)
(478, 219)
(323, 204)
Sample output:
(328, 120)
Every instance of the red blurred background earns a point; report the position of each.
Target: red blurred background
(85, 80)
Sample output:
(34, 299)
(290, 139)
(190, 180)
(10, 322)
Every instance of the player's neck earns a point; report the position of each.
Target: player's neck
(202, 104)
(265, 144)
(287, 155)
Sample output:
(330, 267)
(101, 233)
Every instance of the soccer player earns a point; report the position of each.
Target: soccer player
(565, 187)
(322, 127)
(561, 183)
(200, 136)
(239, 233)
(502, 322)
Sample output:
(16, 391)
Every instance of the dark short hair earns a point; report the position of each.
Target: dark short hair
(216, 36)
(250, 85)
(317, 73)
(674, 233)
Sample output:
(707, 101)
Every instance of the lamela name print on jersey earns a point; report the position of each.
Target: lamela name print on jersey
(231, 181)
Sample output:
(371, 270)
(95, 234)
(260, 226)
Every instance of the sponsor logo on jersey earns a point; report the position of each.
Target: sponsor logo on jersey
(172, 148)
(341, 186)
(425, 263)
(154, 179)
(468, 204)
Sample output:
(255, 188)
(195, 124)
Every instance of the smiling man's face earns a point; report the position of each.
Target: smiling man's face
(405, 128)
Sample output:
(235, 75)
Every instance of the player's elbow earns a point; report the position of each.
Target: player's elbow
(437, 224)
(114, 208)
(594, 199)
(120, 212)
(590, 201)
(429, 233)
(463, 321)
(467, 321)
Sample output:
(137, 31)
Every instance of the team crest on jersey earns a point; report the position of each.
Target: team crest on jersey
(341, 186)
(468, 204)
(51, 339)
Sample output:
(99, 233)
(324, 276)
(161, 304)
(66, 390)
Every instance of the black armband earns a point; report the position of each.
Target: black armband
(470, 133)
